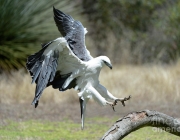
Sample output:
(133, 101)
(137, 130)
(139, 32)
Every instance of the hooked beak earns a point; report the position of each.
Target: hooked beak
(109, 65)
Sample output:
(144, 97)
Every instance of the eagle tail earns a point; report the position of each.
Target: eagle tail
(83, 103)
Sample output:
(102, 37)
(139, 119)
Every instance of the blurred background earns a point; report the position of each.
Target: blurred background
(129, 32)
(141, 37)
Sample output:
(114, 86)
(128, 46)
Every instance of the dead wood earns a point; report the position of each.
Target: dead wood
(136, 120)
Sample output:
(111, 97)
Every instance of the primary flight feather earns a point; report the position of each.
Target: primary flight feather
(65, 63)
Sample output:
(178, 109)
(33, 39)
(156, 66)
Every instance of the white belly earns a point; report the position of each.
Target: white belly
(89, 78)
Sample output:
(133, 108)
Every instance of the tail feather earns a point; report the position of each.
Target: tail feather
(83, 103)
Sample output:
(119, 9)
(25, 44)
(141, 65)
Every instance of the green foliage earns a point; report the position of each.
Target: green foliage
(94, 129)
(67, 129)
(172, 30)
(138, 14)
(24, 25)
(114, 15)
(143, 31)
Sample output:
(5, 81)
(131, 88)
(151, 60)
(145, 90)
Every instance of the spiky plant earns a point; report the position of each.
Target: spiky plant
(24, 24)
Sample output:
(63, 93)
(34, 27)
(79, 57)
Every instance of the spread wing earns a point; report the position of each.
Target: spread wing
(74, 33)
(52, 65)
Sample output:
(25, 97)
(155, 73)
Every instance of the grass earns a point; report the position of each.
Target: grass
(150, 85)
(67, 130)
(139, 81)
(150, 133)
(53, 130)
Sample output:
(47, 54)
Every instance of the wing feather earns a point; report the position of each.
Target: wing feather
(74, 33)
(45, 74)
(52, 65)
(34, 62)
(64, 22)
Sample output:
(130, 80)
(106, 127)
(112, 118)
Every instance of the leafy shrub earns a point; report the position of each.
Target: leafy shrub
(141, 31)
(24, 24)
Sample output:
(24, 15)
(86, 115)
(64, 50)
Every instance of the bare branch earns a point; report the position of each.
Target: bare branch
(137, 120)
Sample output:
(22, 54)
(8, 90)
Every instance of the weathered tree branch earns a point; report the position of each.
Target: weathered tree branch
(136, 120)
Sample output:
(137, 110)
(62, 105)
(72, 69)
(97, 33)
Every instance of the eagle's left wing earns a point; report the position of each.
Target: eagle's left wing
(74, 32)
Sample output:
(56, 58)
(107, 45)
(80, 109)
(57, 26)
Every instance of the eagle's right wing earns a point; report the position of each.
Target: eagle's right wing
(52, 65)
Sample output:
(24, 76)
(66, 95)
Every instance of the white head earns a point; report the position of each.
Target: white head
(106, 61)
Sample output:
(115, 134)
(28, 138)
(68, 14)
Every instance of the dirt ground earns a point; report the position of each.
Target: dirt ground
(153, 88)
(67, 110)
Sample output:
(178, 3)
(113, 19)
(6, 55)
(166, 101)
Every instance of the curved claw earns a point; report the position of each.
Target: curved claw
(123, 100)
(113, 108)
(112, 104)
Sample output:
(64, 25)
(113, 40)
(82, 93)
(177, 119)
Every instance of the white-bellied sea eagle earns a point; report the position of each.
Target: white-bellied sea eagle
(65, 63)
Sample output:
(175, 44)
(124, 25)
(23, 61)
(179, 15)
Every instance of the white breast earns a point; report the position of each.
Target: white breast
(90, 76)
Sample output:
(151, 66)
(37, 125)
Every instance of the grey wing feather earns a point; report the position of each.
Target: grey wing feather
(34, 62)
(73, 31)
(42, 69)
(64, 22)
(46, 75)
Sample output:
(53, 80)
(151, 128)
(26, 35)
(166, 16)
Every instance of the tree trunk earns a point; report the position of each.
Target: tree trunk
(136, 120)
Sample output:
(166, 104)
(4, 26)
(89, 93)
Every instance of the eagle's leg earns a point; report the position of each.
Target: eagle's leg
(108, 96)
(105, 93)
(96, 96)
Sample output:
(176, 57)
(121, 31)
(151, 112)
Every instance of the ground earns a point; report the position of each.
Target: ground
(71, 111)
(58, 113)
(63, 119)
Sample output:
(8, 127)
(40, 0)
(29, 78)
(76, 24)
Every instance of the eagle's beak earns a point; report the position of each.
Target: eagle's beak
(110, 66)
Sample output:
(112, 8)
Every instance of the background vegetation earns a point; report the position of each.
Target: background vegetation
(55, 131)
(141, 37)
(24, 26)
(57, 117)
(136, 31)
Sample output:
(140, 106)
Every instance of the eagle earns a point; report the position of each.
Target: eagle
(65, 63)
